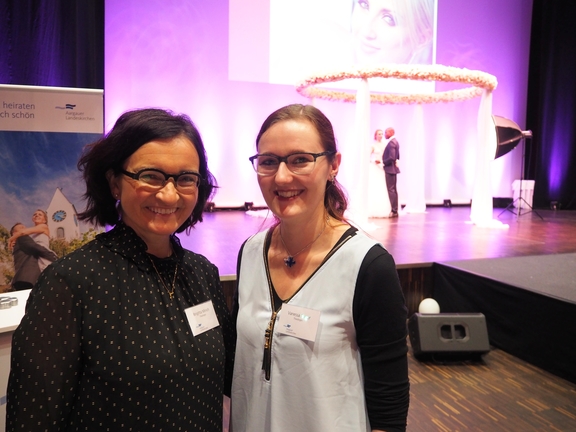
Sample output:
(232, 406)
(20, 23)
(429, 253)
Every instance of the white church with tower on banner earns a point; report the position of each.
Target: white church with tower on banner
(62, 218)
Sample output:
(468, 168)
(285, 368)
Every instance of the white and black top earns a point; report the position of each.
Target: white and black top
(354, 376)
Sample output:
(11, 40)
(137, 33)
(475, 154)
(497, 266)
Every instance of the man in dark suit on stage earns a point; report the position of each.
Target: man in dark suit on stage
(390, 160)
(26, 253)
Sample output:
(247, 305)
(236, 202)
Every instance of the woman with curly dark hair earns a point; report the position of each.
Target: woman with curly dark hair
(130, 331)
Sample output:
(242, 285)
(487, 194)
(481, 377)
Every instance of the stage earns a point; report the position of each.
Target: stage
(415, 240)
(529, 304)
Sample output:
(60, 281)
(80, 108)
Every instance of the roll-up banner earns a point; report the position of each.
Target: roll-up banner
(42, 133)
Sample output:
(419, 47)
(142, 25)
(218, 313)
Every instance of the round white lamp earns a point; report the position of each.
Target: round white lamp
(429, 306)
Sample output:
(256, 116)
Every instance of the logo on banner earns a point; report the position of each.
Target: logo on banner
(67, 107)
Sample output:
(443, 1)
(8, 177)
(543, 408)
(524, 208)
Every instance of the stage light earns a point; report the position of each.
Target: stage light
(447, 203)
(209, 207)
(508, 135)
(248, 205)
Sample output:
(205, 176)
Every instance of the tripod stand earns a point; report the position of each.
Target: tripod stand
(520, 202)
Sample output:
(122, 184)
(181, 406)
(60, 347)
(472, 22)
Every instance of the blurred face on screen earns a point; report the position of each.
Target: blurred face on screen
(380, 35)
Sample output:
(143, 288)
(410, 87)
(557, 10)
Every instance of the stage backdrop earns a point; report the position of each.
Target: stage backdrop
(222, 61)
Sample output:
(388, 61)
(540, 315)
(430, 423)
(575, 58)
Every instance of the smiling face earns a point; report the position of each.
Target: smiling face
(380, 35)
(156, 214)
(291, 196)
(39, 217)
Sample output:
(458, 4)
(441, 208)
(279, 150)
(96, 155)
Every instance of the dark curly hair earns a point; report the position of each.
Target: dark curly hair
(132, 130)
(335, 201)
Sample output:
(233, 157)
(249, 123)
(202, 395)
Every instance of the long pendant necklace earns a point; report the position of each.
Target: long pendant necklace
(170, 292)
(289, 261)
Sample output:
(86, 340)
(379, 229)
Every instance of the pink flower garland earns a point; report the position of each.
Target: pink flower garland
(478, 80)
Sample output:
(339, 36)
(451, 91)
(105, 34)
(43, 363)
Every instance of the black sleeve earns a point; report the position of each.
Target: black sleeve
(46, 357)
(30, 247)
(387, 156)
(235, 305)
(391, 153)
(380, 319)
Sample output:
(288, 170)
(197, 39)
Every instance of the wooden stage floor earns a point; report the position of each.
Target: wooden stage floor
(415, 240)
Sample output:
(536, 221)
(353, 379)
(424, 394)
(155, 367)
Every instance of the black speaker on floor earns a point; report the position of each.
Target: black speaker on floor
(448, 336)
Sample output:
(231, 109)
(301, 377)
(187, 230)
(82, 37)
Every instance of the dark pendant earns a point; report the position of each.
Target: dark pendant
(289, 261)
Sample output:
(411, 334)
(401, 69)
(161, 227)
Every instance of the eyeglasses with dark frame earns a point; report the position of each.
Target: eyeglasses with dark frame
(186, 182)
(301, 163)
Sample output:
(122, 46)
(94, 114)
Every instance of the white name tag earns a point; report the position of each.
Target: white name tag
(202, 317)
(298, 322)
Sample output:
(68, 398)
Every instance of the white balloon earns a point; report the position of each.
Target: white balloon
(429, 306)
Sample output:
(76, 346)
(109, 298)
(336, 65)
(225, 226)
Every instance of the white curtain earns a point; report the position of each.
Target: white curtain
(412, 164)
(358, 193)
(482, 207)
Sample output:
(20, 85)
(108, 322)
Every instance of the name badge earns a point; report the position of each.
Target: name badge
(298, 322)
(202, 317)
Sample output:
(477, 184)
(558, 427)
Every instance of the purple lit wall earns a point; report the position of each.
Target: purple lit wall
(176, 54)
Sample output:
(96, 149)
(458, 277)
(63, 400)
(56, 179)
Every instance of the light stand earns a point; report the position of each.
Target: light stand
(520, 202)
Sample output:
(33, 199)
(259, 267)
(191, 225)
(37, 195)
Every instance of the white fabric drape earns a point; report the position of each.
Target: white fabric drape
(414, 167)
(412, 164)
(358, 195)
(482, 207)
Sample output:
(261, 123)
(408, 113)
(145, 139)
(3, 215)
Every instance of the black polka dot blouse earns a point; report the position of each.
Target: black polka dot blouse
(102, 347)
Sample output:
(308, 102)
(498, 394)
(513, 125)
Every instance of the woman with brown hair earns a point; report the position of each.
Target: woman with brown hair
(321, 317)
